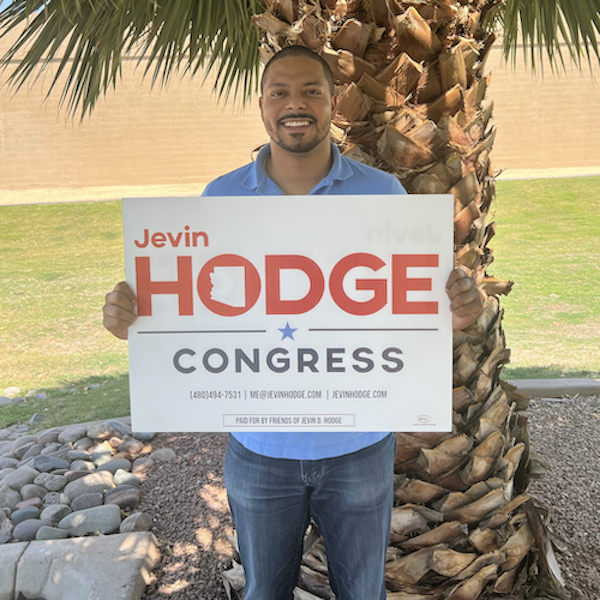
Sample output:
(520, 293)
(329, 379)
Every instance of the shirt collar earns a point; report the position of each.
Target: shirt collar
(259, 181)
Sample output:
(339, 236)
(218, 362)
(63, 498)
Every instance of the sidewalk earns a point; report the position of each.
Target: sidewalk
(557, 388)
(91, 194)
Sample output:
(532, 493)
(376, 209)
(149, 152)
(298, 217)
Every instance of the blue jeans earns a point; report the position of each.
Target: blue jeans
(350, 497)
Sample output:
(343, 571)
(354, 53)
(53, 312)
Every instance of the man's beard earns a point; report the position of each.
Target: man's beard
(300, 145)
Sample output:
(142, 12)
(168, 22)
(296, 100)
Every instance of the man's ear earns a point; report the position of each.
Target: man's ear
(333, 103)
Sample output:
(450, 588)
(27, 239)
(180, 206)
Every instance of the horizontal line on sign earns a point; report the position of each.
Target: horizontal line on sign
(205, 331)
(377, 329)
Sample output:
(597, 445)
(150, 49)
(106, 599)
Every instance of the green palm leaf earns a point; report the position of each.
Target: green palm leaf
(542, 25)
(87, 39)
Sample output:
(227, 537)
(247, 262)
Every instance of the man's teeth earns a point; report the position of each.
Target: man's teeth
(296, 123)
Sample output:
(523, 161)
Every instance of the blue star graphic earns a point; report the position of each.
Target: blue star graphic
(288, 332)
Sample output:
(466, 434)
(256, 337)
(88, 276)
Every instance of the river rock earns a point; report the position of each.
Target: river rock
(22, 514)
(115, 464)
(61, 453)
(136, 522)
(73, 475)
(51, 533)
(101, 431)
(55, 513)
(115, 441)
(21, 451)
(86, 501)
(27, 530)
(32, 451)
(36, 419)
(33, 491)
(142, 465)
(22, 476)
(48, 437)
(123, 477)
(49, 463)
(163, 455)
(50, 448)
(84, 444)
(23, 441)
(143, 436)
(124, 496)
(100, 519)
(101, 453)
(5, 400)
(8, 463)
(83, 465)
(53, 498)
(9, 497)
(131, 447)
(71, 434)
(6, 527)
(31, 502)
(5, 472)
(78, 455)
(53, 483)
(5, 538)
(119, 427)
(94, 482)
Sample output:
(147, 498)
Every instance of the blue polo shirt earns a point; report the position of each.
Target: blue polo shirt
(346, 176)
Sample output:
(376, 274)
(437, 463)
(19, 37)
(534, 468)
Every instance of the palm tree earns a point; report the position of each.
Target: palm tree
(412, 86)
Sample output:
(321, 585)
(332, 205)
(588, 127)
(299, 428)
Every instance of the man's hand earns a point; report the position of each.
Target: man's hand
(466, 298)
(118, 313)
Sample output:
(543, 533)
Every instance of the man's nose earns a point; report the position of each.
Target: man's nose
(296, 100)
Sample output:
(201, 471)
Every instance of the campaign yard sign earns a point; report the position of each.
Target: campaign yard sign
(291, 313)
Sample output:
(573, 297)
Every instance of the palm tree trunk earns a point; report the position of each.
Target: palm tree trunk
(412, 101)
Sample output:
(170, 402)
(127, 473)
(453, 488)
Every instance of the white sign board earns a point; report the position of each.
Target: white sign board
(290, 313)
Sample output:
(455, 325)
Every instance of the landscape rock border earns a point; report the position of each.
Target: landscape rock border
(74, 481)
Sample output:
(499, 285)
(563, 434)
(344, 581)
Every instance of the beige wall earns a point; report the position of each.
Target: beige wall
(140, 137)
(545, 122)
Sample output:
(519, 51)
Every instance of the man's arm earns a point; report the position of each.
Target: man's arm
(467, 299)
(118, 313)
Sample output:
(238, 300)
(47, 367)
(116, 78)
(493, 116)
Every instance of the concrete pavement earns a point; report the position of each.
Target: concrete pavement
(557, 388)
(115, 567)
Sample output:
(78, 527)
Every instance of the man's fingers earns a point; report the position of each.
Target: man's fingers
(118, 312)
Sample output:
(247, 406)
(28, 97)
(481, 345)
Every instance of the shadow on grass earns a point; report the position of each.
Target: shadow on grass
(89, 399)
(547, 372)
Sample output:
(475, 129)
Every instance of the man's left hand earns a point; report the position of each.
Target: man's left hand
(467, 299)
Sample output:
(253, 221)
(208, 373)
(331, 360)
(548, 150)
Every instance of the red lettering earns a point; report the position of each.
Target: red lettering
(377, 286)
(158, 239)
(251, 285)
(183, 287)
(401, 284)
(273, 266)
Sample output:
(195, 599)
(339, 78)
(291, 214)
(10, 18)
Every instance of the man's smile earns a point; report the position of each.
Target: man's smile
(295, 122)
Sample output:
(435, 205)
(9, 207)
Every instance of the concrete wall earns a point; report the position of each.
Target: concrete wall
(179, 135)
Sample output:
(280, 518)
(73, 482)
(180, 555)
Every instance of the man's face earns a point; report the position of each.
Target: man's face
(297, 105)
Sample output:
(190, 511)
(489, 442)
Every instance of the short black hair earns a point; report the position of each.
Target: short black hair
(294, 52)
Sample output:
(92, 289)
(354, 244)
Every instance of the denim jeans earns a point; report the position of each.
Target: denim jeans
(350, 497)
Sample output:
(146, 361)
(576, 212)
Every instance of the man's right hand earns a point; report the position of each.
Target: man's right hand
(119, 311)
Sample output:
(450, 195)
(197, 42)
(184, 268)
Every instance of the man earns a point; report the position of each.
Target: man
(276, 482)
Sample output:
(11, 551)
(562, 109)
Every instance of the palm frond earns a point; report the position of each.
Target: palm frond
(544, 26)
(86, 40)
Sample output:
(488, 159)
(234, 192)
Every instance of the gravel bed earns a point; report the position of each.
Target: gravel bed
(187, 502)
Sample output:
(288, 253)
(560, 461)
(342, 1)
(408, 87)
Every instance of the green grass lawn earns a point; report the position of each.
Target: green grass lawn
(548, 243)
(58, 260)
(56, 263)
